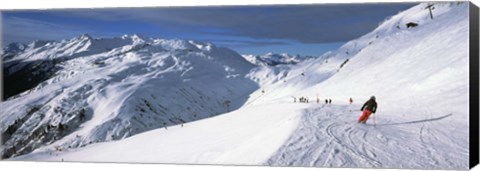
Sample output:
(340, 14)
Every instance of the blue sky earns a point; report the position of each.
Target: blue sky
(295, 29)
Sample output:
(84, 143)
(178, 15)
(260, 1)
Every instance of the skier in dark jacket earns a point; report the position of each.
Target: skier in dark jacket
(368, 108)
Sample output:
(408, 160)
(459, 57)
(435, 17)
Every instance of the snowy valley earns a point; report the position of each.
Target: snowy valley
(136, 99)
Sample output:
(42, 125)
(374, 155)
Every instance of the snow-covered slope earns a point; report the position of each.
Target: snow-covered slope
(26, 66)
(247, 136)
(273, 59)
(12, 50)
(110, 89)
(400, 55)
(419, 76)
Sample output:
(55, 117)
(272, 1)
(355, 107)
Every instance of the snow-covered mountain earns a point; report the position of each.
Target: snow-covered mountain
(273, 59)
(87, 90)
(419, 76)
(12, 50)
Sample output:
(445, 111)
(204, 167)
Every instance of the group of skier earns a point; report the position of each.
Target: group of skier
(302, 99)
(306, 100)
(368, 108)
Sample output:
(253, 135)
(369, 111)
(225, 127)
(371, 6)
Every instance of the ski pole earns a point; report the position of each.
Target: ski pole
(374, 117)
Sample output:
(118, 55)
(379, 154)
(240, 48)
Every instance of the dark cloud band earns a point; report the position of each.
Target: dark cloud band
(316, 23)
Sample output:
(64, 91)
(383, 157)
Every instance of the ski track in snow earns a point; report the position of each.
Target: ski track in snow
(421, 119)
(330, 137)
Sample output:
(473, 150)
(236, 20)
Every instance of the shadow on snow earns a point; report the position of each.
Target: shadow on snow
(418, 121)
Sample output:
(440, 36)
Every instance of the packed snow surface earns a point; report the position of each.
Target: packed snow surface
(419, 76)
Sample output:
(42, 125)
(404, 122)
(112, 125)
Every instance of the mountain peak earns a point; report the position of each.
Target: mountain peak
(85, 37)
(137, 38)
(39, 43)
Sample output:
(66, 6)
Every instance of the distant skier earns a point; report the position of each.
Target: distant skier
(329, 101)
(368, 108)
(326, 101)
(165, 125)
(350, 100)
(226, 103)
(294, 99)
(82, 115)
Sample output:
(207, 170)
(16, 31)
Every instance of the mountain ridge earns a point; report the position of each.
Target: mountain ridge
(109, 89)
